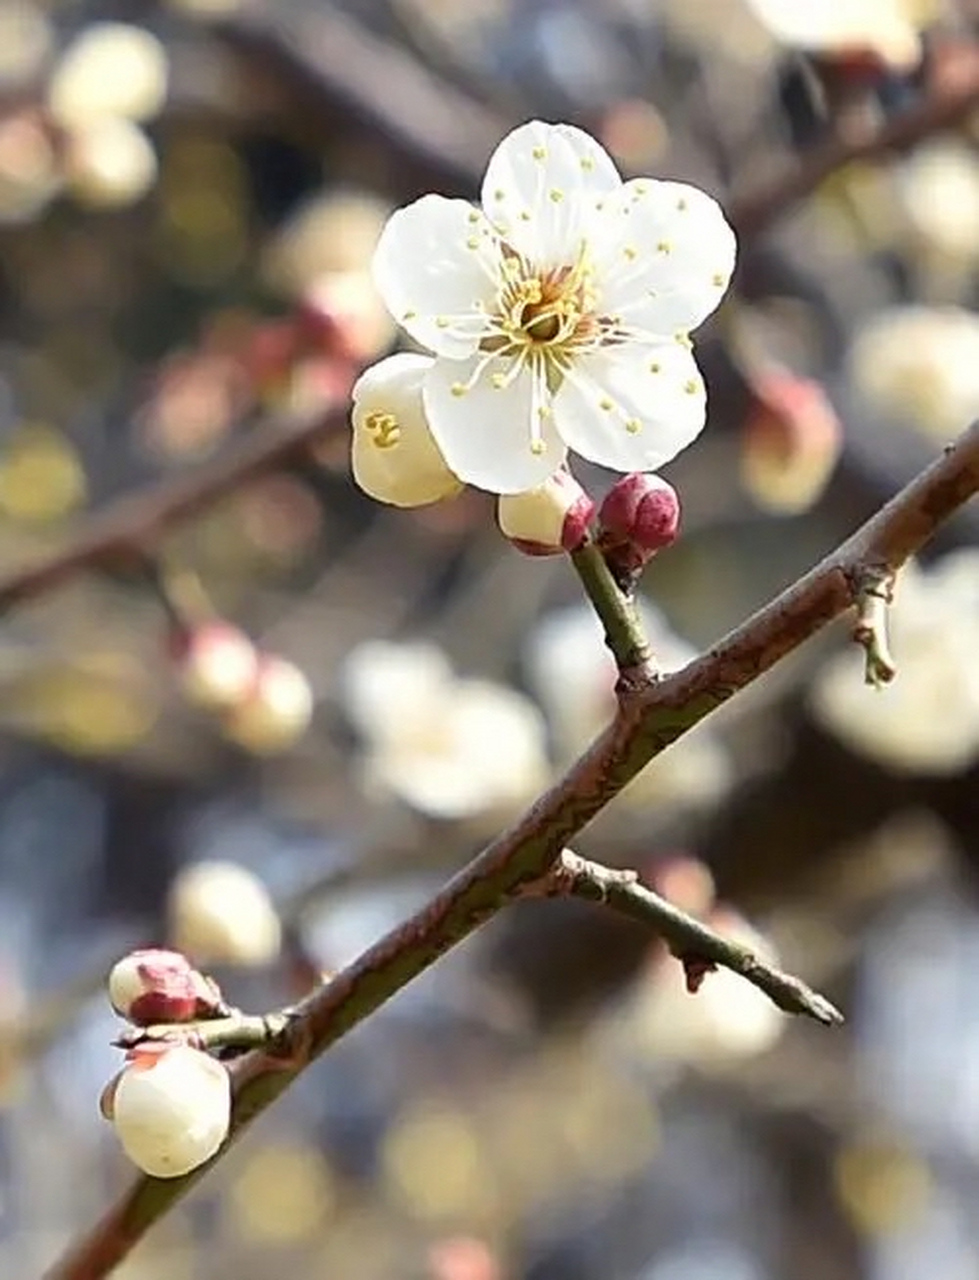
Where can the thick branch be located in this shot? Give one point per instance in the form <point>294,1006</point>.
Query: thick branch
<point>653,716</point>
<point>133,523</point>
<point>690,940</point>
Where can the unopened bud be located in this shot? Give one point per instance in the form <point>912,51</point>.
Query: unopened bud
<point>639,516</point>
<point>276,711</point>
<point>155,985</point>
<point>217,666</point>
<point>547,520</point>
<point>394,455</point>
<point>111,69</point>
<point>791,443</point>
<point>220,913</point>
<point>170,1107</point>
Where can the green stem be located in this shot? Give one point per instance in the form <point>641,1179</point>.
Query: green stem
<point>624,633</point>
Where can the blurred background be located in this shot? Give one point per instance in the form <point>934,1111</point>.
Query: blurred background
<point>189,196</point>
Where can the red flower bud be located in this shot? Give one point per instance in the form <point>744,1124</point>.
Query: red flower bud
<point>792,440</point>
<point>156,986</point>
<point>639,516</point>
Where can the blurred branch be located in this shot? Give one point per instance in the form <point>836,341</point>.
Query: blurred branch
<point>941,108</point>
<point>132,523</point>
<point>691,941</point>
<point>650,716</point>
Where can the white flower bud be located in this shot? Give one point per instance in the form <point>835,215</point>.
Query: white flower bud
<point>220,913</point>
<point>218,666</point>
<point>170,1108</point>
<point>395,458</point>
<point>112,69</point>
<point>277,710</point>
<point>156,985</point>
<point>110,163</point>
<point>547,520</point>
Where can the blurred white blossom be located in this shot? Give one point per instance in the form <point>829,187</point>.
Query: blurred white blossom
<point>559,312</point>
<point>112,69</point>
<point>887,28</point>
<point>449,747</point>
<point>573,674</point>
<point>927,719</point>
<point>219,912</point>
<point>920,364</point>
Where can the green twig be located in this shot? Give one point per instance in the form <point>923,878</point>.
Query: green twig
<point>624,633</point>
<point>689,939</point>
<point>875,593</point>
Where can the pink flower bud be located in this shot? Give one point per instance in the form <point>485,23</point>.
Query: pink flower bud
<point>548,520</point>
<point>639,516</point>
<point>792,440</point>
<point>217,666</point>
<point>155,986</point>
<point>170,1107</point>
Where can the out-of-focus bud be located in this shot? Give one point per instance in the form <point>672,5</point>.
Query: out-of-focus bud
<point>170,1107</point>
<point>547,520</point>
<point>342,313</point>
<point>394,455</point>
<point>217,666</point>
<point>112,69</point>
<point>220,913</point>
<point>109,164</point>
<point>639,516</point>
<point>792,440</point>
<point>155,985</point>
<point>277,710</point>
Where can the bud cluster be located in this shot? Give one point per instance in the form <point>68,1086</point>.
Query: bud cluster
<point>170,1105</point>
<point>263,701</point>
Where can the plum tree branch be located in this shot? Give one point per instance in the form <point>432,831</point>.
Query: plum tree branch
<point>130,525</point>
<point>652,714</point>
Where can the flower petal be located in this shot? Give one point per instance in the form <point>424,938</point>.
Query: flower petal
<point>539,184</point>
<point>486,433</point>
<point>436,267</point>
<point>663,254</point>
<point>632,407</point>
<point>394,457</point>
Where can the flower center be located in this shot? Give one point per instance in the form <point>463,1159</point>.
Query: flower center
<point>541,313</point>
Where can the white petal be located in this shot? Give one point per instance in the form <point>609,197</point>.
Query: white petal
<point>663,254</point>
<point>632,407</point>
<point>394,456</point>
<point>539,183</point>
<point>486,434</point>
<point>435,266</point>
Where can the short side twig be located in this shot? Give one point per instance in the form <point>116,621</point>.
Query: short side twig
<point>875,593</point>
<point>690,940</point>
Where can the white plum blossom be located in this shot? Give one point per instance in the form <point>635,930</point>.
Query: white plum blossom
<point>450,747</point>
<point>559,312</point>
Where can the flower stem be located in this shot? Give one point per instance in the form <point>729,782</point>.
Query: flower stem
<point>624,633</point>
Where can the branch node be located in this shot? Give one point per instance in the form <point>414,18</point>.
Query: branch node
<point>874,593</point>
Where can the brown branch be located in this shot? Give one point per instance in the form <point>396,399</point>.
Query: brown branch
<point>134,522</point>
<point>941,109</point>
<point>690,940</point>
<point>650,717</point>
